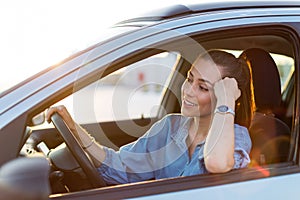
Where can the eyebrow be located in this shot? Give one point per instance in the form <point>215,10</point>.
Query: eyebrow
<point>201,79</point>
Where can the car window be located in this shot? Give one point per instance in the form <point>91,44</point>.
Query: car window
<point>285,67</point>
<point>132,92</point>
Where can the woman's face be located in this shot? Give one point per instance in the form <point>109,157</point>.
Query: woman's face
<point>198,99</point>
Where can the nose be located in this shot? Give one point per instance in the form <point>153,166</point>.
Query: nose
<point>188,88</point>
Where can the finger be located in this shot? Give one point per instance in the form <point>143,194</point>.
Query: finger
<point>52,110</point>
<point>49,113</point>
<point>63,112</point>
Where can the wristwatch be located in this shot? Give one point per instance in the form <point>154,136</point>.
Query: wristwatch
<point>223,109</point>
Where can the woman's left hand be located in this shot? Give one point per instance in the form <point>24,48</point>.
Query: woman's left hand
<point>227,89</point>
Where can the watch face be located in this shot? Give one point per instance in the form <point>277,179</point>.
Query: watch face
<point>223,108</point>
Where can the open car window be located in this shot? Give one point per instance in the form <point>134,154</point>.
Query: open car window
<point>132,92</point>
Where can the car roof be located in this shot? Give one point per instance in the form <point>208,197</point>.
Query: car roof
<point>174,12</point>
<point>182,10</point>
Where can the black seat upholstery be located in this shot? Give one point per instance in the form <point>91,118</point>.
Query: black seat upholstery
<point>270,136</point>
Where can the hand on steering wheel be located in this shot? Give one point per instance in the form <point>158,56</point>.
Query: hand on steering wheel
<point>80,155</point>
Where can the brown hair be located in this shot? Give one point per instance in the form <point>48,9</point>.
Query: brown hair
<point>233,67</point>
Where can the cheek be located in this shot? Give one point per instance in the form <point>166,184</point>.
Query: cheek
<point>206,100</point>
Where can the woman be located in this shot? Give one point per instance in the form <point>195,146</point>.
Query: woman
<point>209,136</point>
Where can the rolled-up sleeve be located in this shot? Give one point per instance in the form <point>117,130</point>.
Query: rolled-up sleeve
<point>110,174</point>
<point>134,161</point>
<point>127,165</point>
<point>242,147</point>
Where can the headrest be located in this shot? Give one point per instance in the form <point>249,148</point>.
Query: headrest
<point>266,80</point>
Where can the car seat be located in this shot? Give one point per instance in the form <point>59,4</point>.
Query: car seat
<point>270,136</point>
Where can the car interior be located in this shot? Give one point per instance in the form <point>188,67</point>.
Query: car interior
<point>271,144</point>
<point>269,134</point>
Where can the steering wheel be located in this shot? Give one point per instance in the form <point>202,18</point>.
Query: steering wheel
<point>83,160</point>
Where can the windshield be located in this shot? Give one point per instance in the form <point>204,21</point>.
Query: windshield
<point>13,75</point>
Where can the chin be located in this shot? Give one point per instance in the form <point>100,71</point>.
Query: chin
<point>189,114</point>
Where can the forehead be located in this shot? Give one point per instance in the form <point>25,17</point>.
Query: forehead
<point>206,69</point>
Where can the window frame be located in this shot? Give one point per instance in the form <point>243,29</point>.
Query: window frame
<point>203,181</point>
<point>235,176</point>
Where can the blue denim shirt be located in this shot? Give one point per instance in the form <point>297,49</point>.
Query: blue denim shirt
<point>162,153</point>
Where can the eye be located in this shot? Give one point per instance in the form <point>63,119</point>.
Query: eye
<point>189,79</point>
<point>203,88</point>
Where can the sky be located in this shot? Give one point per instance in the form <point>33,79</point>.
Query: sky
<point>36,34</point>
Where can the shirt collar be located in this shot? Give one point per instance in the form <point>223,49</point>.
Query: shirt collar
<point>180,134</point>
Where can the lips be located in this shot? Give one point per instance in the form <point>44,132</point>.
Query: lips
<point>188,103</point>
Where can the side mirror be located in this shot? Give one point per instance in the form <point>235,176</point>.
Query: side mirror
<point>25,178</point>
